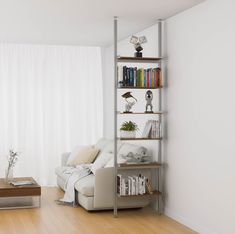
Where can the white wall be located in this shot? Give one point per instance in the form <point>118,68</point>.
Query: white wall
<point>201,117</point>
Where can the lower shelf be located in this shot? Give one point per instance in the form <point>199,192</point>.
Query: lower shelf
<point>140,139</point>
<point>146,195</point>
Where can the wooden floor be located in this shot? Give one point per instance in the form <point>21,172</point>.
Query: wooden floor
<point>56,219</point>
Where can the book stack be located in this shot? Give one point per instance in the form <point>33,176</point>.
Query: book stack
<point>132,185</point>
<point>152,129</point>
<point>133,77</point>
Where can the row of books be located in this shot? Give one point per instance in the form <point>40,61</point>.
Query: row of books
<point>152,129</point>
<point>133,185</point>
<point>133,77</point>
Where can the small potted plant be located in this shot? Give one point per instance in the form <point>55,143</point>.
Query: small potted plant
<point>128,129</point>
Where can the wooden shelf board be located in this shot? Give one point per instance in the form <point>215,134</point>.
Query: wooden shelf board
<point>124,166</point>
<point>136,59</point>
<point>154,194</point>
<point>140,139</point>
<point>133,87</point>
<point>141,113</point>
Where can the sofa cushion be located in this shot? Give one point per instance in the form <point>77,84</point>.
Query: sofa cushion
<point>86,185</point>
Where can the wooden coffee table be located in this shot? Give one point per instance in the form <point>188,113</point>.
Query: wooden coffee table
<point>12,197</point>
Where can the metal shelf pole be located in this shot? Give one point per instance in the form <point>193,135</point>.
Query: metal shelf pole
<point>160,117</point>
<point>115,117</point>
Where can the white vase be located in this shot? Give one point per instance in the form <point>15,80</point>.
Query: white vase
<point>127,134</point>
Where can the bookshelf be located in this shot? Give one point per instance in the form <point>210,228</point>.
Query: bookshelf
<point>148,167</point>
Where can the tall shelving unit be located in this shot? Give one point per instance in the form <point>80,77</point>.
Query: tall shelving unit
<point>118,168</point>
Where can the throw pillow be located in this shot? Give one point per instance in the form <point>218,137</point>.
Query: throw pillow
<point>101,161</point>
<point>84,156</point>
<point>75,152</point>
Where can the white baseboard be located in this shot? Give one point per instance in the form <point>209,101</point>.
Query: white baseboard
<point>194,226</point>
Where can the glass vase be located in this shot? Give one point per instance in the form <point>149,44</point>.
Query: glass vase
<point>9,175</point>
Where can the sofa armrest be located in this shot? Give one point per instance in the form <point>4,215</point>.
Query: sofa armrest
<point>104,185</point>
<point>64,159</point>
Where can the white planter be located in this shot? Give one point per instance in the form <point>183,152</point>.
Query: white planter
<point>127,134</point>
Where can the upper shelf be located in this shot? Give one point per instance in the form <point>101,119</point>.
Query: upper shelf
<point>124,166</point>
<point>138,60</point>
<point>136,87</point>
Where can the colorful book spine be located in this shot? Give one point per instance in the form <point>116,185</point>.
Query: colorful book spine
<point>160,83</point>
<point>153,78</point>
<point>142,78</point>
<point>145,78</point>
<point>157,78</point>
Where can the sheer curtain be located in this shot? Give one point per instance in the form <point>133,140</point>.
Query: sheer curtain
<point>50,101</point>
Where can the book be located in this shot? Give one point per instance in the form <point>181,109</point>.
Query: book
<point>120,76</point>
<point>135,76</point>
<point>160,83</point>
<point>124,76</point>
<point>147,129</point>
<point>119,184</point>
<point>153,78</point>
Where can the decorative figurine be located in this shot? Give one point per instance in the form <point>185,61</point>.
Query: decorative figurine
<point>149,98</point>
<point>127,96</point>
<point>137,41</point>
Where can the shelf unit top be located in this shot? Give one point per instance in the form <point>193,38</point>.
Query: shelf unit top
<point>125,166</point>
<point>132,87</point>
<point>154,194</point>
<point>141,113</point>
<point>140,139</point>
<point>138,60</point>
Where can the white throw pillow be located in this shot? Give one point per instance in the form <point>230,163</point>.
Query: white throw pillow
<point>75,152</point>
<point>101,161</point>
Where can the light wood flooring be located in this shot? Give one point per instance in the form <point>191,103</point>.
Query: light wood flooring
<point>56,219</point>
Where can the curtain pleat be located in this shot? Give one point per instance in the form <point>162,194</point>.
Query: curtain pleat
<point>50,101</point>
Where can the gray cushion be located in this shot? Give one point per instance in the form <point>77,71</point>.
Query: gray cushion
<point>86,185</point>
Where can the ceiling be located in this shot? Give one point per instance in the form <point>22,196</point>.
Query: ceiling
<point>81,22</point>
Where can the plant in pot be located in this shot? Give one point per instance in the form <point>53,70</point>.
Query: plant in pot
<point>128,129</point>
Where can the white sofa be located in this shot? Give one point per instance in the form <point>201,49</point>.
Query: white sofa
<point>96,192</point>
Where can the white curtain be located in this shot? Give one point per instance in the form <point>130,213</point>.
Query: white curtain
<point>50,101</point>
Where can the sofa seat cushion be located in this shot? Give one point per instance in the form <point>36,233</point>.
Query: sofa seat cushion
<point>86,185</point>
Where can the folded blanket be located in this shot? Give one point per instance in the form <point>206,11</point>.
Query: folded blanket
<point>76,173</point>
